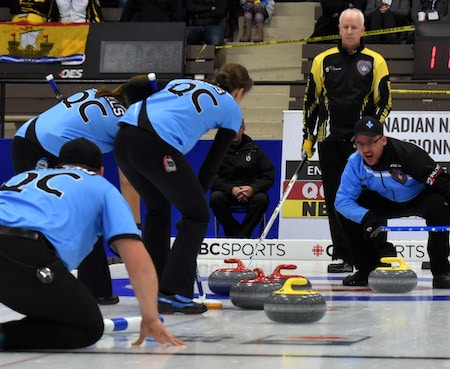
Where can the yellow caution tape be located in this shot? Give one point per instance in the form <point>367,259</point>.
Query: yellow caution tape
<point>421,92</point>
<point>321,38</point>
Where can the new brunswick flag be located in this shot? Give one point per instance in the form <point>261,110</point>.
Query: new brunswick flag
<point>43,43</point>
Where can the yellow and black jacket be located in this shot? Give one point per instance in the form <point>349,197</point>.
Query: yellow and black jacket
<point>341,89</point>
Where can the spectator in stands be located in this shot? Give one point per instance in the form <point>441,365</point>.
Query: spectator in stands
<point>431,11</point>
<point>258,12</point>
<point>232,18</point>
<point>345,83</point>
<point>328,22</point>
<point>35,11</point>
<point>244,177</point>
<point>381,14</point>
<point>153,11</point>
<point>32,11</point>
<point>79,11</point>
<point>206,21</point>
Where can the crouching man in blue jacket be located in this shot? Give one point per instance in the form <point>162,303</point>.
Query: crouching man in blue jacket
<point>388,178</point>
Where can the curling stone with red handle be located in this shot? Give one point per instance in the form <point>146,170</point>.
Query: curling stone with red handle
<point>278,274</point>
<point>221,280</point>
<point>252,293</point>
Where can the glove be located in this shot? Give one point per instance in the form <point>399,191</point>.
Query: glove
<point>372,225</point>
<point>307,148</point>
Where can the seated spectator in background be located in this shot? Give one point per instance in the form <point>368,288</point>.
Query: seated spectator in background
<point>244,177</point>
<point>232,18</point>
<point>153,11</point>
<point>327,24</point>
<point>32,11</point>
<point>206,21</point>
<point>430,11</point>
<point>258,12</point>
<point>381,14</point>
<point>79,11</point>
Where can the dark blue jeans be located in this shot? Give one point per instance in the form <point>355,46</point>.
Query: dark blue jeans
<point>210,35</point>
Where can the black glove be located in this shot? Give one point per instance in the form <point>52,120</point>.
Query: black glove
<point>372,225</point>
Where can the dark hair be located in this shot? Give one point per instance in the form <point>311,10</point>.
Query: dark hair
<point>232,76</point>
<point>126,95</point>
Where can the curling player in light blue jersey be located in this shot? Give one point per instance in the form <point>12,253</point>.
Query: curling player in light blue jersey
<point>154,137</point>
<point>49,221</point>
<point>93,114</point>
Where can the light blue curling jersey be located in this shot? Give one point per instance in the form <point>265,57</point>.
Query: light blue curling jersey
<point>72,207</point>
<point>185,110</point>
<point>79,115</point>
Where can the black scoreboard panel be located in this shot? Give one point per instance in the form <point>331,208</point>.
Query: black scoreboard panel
<point>117,50</point>
<point>432,51</point>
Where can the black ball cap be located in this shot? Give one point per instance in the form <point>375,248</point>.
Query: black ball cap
<point>368,126</point>
<point>82,152</point>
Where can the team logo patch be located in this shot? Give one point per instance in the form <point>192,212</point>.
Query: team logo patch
<point>398,175</point>
<point>364,67</point>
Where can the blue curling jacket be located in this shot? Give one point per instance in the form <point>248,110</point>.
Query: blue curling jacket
<point>70,206</point>
<point>403,171</point>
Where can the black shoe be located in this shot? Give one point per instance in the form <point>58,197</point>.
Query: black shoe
<point>179,304</point>
<point>441,280</point>
<point>340,268</point>
<point>358,278</point>
<point>111,300</point>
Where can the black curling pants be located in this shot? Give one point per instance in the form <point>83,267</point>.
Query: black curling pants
<point>58,315</point>
<point>222,203</point>
<point>140,155</point>
<point>333,157</point>
<point>429,205</point>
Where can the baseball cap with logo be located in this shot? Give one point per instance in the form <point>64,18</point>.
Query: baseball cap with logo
<point>368,126</point>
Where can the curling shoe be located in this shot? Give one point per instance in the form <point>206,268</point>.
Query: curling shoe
<point>169,304</point>
<point>359,278</point>
<point>111,300</point>
<point>441,280</point>
<point>342,267</point>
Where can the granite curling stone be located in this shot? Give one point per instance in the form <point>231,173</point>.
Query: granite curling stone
<point>278,274</point>
<point>221,280</point>
<point>393,279</point>
<point>292,305</point>
<point>252,293</point>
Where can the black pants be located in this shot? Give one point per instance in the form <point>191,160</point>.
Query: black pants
<point>378,20</point>
<point>59,315</point>
<point>333,157</point>
<point>429,205</point>
<point>94,270</point>
<point>222,203</point>
<point>140,155</point>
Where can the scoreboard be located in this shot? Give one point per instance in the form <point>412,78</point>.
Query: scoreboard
<point>432,51</point>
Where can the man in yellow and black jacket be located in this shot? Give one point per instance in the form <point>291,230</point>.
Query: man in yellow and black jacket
<point>346,83</point>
